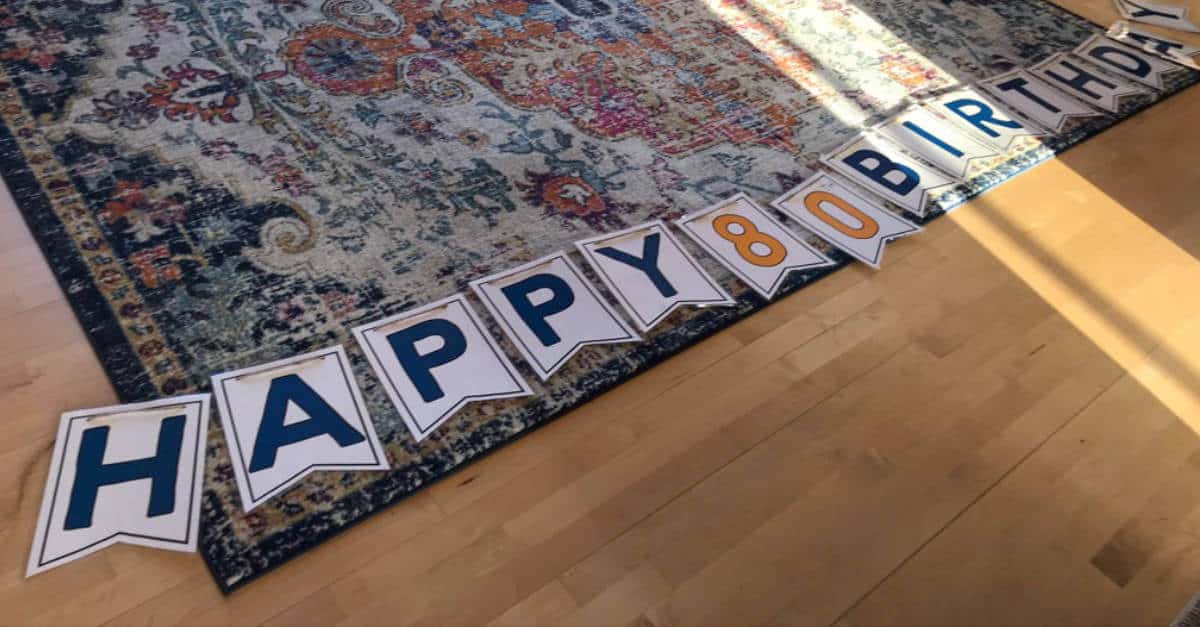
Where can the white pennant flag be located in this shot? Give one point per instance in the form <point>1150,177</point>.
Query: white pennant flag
<point>935,139</point>
<point>889,172</point>
<point>650,273</point>
<point>987,119</point>
<point>1128,62</point>
<point>1169,49</point>
<point>751,243</point>
<point>129,473</point>
<point>435,359</point>
<point>1086,82</point>
<point>1031,97</point>
<point>551,311</point>
<point>1168,15</point>
<point>289,418</point>
<point>844,218</point>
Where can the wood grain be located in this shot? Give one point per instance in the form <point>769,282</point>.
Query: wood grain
<point>998,428</point>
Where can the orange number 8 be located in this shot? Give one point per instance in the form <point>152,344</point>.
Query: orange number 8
<point>749,236</point>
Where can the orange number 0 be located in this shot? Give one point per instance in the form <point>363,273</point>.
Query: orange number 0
<point>868,227</point>
<point>747,238</point>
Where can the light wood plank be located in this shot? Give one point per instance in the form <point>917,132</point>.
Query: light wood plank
<point>1000,427</point>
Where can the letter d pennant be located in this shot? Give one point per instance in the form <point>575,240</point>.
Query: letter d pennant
<point>550,311</point>
<point>130,473</point>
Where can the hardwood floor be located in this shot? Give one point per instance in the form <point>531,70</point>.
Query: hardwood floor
<point>998,428</point>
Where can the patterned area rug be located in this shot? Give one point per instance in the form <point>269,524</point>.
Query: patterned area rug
<point>222,183</point>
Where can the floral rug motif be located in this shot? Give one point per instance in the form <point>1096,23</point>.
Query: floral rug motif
<point>222,183</point>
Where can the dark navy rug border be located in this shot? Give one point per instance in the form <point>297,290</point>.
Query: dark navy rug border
<point>108,341</point>
<point>93,312</point>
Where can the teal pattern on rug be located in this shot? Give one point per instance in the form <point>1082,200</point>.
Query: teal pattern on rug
<point>222,183</point>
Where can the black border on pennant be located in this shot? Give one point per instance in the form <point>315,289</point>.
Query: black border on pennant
<point>599,268</point>
<point>806,187</point>
<point>528,354</point>
<point>508,367</point>
<point>197,463</point>
<point>241,455</point>
<point>770,293</point>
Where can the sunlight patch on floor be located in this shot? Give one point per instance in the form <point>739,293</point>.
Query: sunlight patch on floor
<point>1095,292</point>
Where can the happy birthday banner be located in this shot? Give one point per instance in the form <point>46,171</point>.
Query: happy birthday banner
<point>132,473</point>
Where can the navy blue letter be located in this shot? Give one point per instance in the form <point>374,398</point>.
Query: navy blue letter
<point>1144,12</point>
<point>933,139</point>
<point>535,315</point>
<point>1160,46</point>
<point>1018,85</point>
<point>1136,65</point>
<point>418,367</point>
<point>982,118</point>
<point>1082,79</point>
<point>274,435</point>
<point>648,263</point>
<point>91,472</point>
<point>880,172</point>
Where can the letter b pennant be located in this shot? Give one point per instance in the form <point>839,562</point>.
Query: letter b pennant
<point>889,172</point>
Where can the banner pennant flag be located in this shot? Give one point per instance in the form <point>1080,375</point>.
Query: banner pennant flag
<point>935,139</point>
<point>985,118</point>
<point>1033,98</point>
<point>1085,82</point>
<point>287,419</point>
<point>755,246</point>
<point>129,473</point>
<point>1128,62</point>
<point>434,360</point>
<point>889,172</point>
<point>651,273</point>
<point>550,311</point>
<point>1168,15</point>
<point>1169,49</point>
<point>843,217</point>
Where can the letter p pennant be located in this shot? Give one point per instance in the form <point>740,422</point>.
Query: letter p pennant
<point>434,360</point>
<point>550,311</point>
